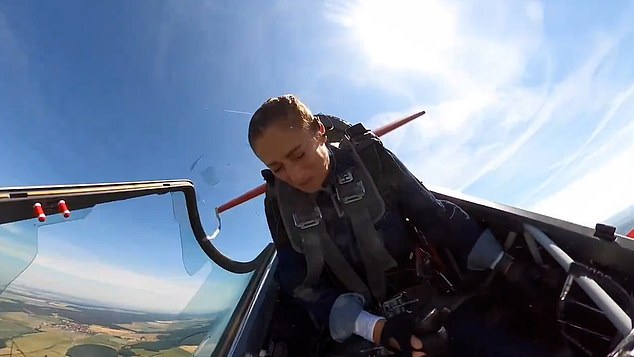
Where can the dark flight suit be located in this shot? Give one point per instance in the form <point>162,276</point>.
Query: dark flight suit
<point>442,223</point>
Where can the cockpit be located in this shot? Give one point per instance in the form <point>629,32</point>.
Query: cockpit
<point>127,269</point>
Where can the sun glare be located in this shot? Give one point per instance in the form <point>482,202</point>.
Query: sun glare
<point>404,35</point>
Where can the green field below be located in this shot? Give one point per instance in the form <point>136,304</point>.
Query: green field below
<point>92,351</point>
<point>50,343</point>
<point>48,335</point>
<point>105,340</point>
<point>10,329</point>
<point>172,352</point>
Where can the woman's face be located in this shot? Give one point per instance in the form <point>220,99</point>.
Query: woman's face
<point>296,156</point>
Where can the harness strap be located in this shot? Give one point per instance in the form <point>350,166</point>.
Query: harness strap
<point>362,202</point>
<point>317,248</point>
<point>308,235</point>
<point>314,255</point>
<point>376,259</point>
<point>364,213</point>
<point>342,269</point>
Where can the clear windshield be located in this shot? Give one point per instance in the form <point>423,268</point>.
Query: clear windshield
<point>121,279</point>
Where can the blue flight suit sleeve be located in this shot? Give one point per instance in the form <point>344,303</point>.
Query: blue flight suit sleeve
<point>291,269</point>
<point>442,222</point>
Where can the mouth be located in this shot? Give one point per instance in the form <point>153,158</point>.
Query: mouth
<point>305,183</point>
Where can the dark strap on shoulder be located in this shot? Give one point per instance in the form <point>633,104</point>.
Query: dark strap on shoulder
<point>362,202</point>
<point>335,127</point>
<point>360,136</point>
<point>367,146</point>
<point>319,247</point>
<point>364,214</point>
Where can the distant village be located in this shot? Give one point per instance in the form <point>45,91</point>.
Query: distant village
<point>70,326</point>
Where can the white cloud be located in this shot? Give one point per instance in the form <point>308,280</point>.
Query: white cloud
<point>459,46</point>
<point>586,149</point>
<point>468,60</point>
<point>82,276</point>
<point>387,30</point>
<point>535,11</point>
<point>597,195</point>
<point>18,246</point>
<point>504,105</point>
<point>564,94</point>
<point>18,239</point>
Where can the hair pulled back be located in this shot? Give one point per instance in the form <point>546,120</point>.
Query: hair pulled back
<point>286,110</point>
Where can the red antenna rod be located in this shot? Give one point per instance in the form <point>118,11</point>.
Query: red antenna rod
<point>262,188</point>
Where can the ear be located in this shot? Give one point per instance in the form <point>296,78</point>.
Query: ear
<point>321,130</point>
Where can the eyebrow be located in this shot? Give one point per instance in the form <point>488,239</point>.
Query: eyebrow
<point>290,153</point>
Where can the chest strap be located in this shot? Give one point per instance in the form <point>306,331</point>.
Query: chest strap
<point>307,232</point>
<point>361,202</point>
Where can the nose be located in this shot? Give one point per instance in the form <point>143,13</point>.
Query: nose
<point>297,174</point>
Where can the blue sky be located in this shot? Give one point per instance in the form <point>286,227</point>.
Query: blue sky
<point>529,103</point>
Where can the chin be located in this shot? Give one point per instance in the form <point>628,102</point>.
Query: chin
<point>308,189</point>
<point>313,186</point>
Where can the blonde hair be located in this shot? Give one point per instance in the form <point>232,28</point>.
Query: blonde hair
<point>286,109</point>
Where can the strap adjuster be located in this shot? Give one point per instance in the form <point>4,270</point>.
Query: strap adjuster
<point>308,219</point>
<point>356,131</point>
<point>350,193</point>
<point>345,178</point>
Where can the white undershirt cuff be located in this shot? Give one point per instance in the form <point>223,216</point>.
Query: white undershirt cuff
<point>364,325</point>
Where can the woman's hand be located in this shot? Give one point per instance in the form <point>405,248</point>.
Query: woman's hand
<point>397,334</point>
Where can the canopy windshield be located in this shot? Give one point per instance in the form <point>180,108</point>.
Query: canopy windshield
<point>119,278</point>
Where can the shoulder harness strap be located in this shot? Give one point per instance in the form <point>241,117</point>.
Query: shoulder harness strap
<point>307,232</point>
<point>366,209</point>
<point>361,202</point>
<point>335,127</point>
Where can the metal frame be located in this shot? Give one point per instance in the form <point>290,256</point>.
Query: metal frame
<point>581,243</point>
<point>17,204</point>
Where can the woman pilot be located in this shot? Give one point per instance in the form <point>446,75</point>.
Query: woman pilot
<point>337,215</point>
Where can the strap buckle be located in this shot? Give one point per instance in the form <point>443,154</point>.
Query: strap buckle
<point>304,220</point>
<point>350,193</point>
<point>345,178</point>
